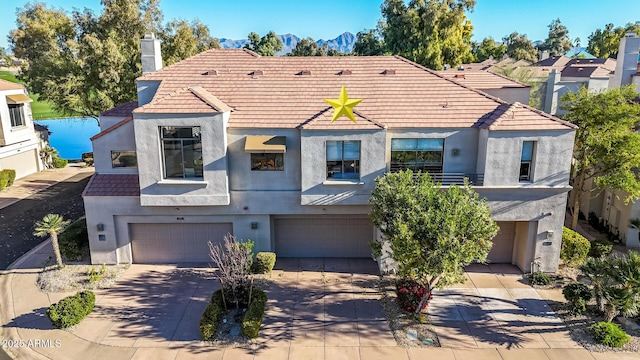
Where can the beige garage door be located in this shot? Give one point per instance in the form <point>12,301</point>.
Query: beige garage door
<point>23,163</point>
<point>173,243</point>
<point>502,250</point>
<point>323,236</point>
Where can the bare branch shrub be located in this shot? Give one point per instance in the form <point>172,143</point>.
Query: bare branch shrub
<point>233,258</point>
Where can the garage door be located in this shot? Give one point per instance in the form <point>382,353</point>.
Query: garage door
<point>173,243</point>
<point>323,236</point>
<point>502,250</point>
<point>24,164</point>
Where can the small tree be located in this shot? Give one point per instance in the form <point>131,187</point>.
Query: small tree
<point>51,225</point>
<point>233,260</point>
<point>432,233</point>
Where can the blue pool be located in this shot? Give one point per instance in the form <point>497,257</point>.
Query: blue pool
<point>71,136</point>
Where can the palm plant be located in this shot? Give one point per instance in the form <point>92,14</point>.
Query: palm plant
<point>622,291</point>
<point>51,225</point>
<point>596,270</point>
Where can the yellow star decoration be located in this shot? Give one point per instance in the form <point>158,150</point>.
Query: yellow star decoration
<point>343,106</point>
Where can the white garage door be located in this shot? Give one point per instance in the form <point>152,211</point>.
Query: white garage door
<point>502,250</point>
<point>173,243</point>
<point>24,164</point>
<point>323,236</point>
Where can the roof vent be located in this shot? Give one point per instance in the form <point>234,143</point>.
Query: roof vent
<point>389,72</point>
<point>210,72</point>
<point>459,76</point>
<point>461,68</point>
<point>344,72</point>
<point>255,73</point>
<point>304,72</point>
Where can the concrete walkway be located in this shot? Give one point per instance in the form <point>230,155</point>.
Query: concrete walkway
<point>23,317</point>
<point>34,183</point>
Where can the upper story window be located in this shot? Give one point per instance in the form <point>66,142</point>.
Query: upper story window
<point>267,162</point>
<point>417,154</point>
<point>526,159</point>
<point>16,114</point>
<point>124,159</point>
<point>181,151</point>
<point>343,159</point>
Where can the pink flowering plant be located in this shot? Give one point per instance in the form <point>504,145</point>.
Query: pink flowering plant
<point>410,293</point>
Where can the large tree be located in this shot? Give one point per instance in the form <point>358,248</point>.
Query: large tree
<point>85,64</point>
<point>557,42</point>
<point>607,146</point>
<point>432,232</point>
<point>267,45</point>
<point>181,40</point>
<point>519,47</point>
<point>488,48</point>
<point>368,43</point>
<point>308,47</point>
<point>606,42</point>
<point>430,32</point>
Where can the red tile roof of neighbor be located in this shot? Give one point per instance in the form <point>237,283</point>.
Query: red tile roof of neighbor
<point>478,79</point>
<point>123,110</point>
<point>8,85</point>
<point>288,92</point>
<point>113,185</point>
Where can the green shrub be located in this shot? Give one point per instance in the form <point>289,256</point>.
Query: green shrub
<point>609,334</point>
<point>211,316</point>
<point>72,309</point>
<point>74,240</point>
<point>96,274</point>
<point>264,262</point>
<point>539,278</point>
<point>575,247</point>
<point>248,247</point>
<point>59,163</point>
<point>600,248</point>
<point>4,180</point>
<point>577,294</point>
<point>10,176</point>
<point>255,314</point>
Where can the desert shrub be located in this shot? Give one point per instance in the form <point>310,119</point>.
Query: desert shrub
<point>264,262</point>
<point>609,334</point>
<point>72,309</point>
<point>10,175</point>
<point>74,240</point>
<point>96,274</point>
<point>577,294</point>
<point>211,316</point>
<point>4,180</point>
<point>233,260</point>
<point>59,163</point>
<point>410,293</point>
<point>539,278</point>
<point>600,248</point>
<point>255,314</point>
<point>575,247</point>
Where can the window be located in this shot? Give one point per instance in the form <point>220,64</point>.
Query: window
<point>16,115</point>
<point>267,162</point>
<point>343,159</point>
<point>125,159</point>
<point>525,160</point>
<point>181,151</point>
<point>417,154</point>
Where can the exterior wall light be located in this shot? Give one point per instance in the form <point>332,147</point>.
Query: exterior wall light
<point>254,225</point>
<point>100,227</point>
<point>455,152</point>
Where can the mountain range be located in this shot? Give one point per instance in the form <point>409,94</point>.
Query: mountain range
<point>343,43</point>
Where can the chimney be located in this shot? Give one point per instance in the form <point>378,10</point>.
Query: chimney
<point>627,61</point>
<point>544,55</point>
<point>151,56</point>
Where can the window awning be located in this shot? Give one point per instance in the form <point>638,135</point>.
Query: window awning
<point>18,99</point>
<point>265,144</point>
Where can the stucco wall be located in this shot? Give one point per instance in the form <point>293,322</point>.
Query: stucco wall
<point>122,138</point>
<point>511,95</point>
<point>17,134</point>
<point>316,190</point>
<point>211,190</point>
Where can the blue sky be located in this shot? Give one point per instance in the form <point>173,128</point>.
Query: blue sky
<point>327,19</point>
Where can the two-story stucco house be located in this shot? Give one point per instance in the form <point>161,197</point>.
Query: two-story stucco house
<point>231,142</point>
<point>19,141</point>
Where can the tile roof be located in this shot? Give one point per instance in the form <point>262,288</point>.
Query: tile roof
<point>123,110</point>
<point>8,85</point>
<point>111,128</point>
<point>113,185</point>
<point>288,92</point>
<point>518,116</point>
<point>609,64</point>
<point>322,121</point>
<point>194,99</point>
<point>482,79</point>
<point>586,71</point>
<point>553,61</point>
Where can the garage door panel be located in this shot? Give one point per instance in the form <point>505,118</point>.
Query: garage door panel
<point>323,237</point>
<point>502,250</point>
<point>172,243</point>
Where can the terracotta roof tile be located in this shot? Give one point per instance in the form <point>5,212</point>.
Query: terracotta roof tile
<point>111,128</point>
<point>113,185</point>
<point>322,121</point>
<point>8,85</point>
<point>194,99</point>
<point>586,71</point>
<point>123,110</point>
<point>518,116</point>
<point>414,97</point>
<point>553,61</point>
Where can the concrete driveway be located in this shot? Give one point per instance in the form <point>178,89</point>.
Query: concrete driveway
<point>495,308</point>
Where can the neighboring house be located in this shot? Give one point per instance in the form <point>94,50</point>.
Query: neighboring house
<point>228,141</point>
<point>19,141</point>
<point>497,85</point>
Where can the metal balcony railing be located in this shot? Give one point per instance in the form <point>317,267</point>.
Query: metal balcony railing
<point>454,178</point>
